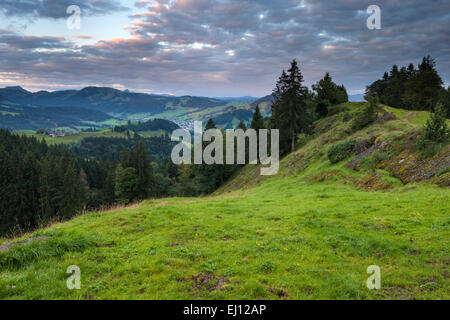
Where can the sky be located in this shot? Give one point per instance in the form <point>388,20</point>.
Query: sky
<point>219,48</point>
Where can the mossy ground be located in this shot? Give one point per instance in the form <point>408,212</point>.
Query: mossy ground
<point>307,233</point>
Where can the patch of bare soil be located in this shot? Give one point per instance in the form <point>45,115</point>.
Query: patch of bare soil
<point>209,281</point>
<point>279,292</point>
<point>324,176</point>
<point>373,183</point>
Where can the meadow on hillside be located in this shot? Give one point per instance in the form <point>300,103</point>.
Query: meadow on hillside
<point>309,232</point>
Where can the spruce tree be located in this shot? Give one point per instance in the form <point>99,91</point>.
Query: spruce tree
<point>289,112</point>
<point>126,184</point>
<point>257,120</point>
<point>139,161</point>
<point>73,191</point>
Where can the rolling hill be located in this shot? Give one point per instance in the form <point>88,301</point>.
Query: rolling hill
<point>136,106</point>
<point>309,232</point>
<point>20,117</point>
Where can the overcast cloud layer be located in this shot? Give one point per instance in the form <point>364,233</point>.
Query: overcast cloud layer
<point>223,47</point>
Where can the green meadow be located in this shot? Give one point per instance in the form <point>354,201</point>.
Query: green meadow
<point>309,232</point>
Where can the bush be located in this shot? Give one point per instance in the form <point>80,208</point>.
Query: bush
<point>367,116</point>
<point>346,117</point>
<point>339,151</point>
<point>435,131</point>
<point>302,139</point>
<point>376,158</point>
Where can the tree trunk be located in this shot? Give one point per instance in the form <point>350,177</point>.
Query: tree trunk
<point>293,141</point>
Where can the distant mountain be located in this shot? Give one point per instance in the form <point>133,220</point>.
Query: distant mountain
<point>14,94</point>
<point>243,99</point>
<point>107,100</point>
<point>19,117</point>
<point>127,105</point>
<point>264,103</point>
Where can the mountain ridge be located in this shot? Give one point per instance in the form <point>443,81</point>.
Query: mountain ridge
<point>137,106</point>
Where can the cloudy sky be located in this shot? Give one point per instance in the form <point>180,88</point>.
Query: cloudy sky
<point>216,47</point>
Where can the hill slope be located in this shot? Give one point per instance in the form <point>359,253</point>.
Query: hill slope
<point>19,117</point>
<point>309,232</point>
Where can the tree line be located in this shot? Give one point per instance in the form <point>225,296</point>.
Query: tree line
<point>411,88</point>
<point>41,183</point>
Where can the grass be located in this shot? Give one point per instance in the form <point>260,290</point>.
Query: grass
<point>75,138</point>
<point>306,233</point>
<point>150,134</point>
<point>284,239</point>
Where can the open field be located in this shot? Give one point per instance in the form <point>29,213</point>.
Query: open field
<point>75,138</point>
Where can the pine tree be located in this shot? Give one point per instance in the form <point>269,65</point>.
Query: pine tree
<point>257,120</point>
<point>126,184</point>
<point>45,207</point>
<point>410,88</point>
<point>210,125</point>
<point>109,188</point>
<point>208,177</point>
<point>242,125</point>
<point>423,89</point>
<point>289,112</point>
<point>139,161</point>
<point>73,191</point>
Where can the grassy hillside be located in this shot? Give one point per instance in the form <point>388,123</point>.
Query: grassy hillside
<point>309,232</point>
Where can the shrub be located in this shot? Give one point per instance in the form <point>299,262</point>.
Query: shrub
<point>339,151</point>
<point>376,158</point>
<point>302,139</point>
<point>367,116</point>
<point>346,117</point>
<point>435,130</point>
<point>442,172</point>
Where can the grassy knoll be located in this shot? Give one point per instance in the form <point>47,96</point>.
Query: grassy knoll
<point>309,232</point>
